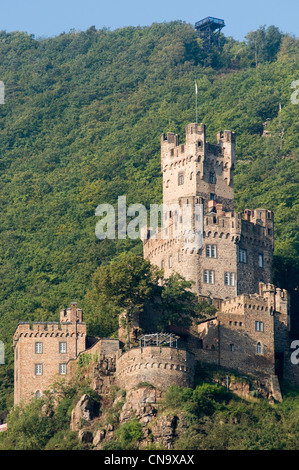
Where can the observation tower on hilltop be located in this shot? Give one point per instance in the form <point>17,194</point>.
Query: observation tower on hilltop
<point>209,30</point>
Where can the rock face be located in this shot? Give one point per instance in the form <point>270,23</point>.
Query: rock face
<point>140,403</point>
<point>99,437</point>
<point>85,437</point>
<point>83,412</point>
<point>163,430</point>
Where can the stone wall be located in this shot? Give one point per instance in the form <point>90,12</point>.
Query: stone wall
<point>100,366</point>
<point>159,366</point>
<point>206,172</point>
<point>27,383</point>
<point>196,160</point>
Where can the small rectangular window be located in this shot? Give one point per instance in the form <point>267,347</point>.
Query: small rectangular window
<point>259,326</point>
<point>242,255</point>
<point>231,347</point>
<point>62,347</point>
<point>208,276</point>
<point>229,279</point>
<point>211,251</point>
<point>261,260</point>
<point>38,369</point>
<point>180,178</point>
<point>170,261</point>
<point>38,348</point>
<point>62,369</point>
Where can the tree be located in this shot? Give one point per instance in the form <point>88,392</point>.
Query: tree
<point>127,282</point>
<point>264,43</point>
<point>179,305</point>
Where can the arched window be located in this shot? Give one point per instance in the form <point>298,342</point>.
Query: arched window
<point>38,394</point>
<point>259,348</point>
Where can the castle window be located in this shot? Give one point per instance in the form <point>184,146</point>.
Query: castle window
<point>38,394</point>
<point>62,369</point>
<point>180,178</point>
<point>261,260</point>
<point>212,178</point>
<point>231,347</point>
<point>162,264</point>
<point>211,251</point>
<point>208,276</point>
<point>259,326</point>
<point>199,143</point>
<point>62,347</point>
<point>212,197</point>
<point>170,261</point>
<point>179,257</point>
<point>269,231</point>
<point>259,348</point>
<point>242,255</point>
<point>38,348</point>
<point>229,279</point>
<point>38,369</point>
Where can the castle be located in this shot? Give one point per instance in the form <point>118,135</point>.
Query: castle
<point>231,266</point>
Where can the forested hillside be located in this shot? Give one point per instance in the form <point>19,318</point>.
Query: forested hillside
<point>81,125</point>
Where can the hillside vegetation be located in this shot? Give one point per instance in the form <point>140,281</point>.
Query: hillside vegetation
<point>81,125</point>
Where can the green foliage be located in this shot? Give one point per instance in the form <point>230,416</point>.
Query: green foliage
<point>201,401</point>
<point>129,434</point>
<point>127,282</point>
<point>218,420</point>
<point>81,126</point>
<point>178,303</point>
<point>84,361</point>
<point>29,428</point>
<point>36,426</point>
<point>264,43</point>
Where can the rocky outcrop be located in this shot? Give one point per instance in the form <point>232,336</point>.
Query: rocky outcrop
<point>83,413</point>
<point>140,403</point>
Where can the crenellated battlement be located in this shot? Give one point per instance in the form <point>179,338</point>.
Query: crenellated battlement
<point>49,329</point>
<point>42,351</point>
<point>196,167</point>
<point>270,299</point>
<point>159,366</point>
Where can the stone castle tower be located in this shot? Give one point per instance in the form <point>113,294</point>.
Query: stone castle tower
<point>235,251</point>
<point>42,352</point>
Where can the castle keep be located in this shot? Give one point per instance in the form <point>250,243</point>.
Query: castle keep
<point>231,266</point>
<point>236,252</point>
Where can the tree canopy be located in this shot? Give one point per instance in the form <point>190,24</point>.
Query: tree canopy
<point>81,125</point>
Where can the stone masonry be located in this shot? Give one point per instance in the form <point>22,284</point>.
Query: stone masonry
<point>42,352</point>
<point>231,266</point>
<point>236,250</point>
